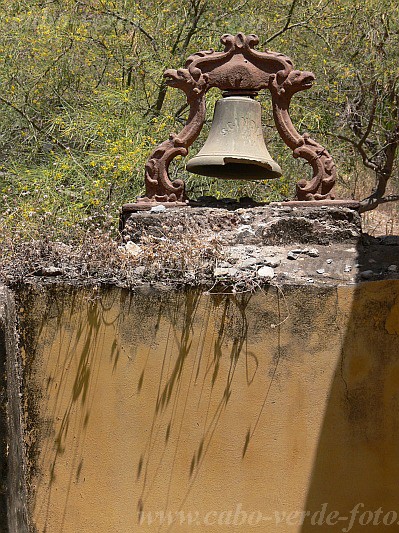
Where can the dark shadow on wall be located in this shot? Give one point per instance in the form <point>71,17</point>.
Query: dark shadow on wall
<point>354,484</point>
<point>188,367</point>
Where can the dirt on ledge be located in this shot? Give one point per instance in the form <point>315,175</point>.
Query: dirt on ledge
<point>241,248</point>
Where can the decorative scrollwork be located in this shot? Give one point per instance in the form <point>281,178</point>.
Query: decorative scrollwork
<point>238,68</point>
<point>321,186</point>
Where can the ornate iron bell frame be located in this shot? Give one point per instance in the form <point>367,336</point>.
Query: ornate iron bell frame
<point>239,69</point>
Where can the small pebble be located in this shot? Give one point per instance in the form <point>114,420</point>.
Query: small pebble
<point>245,227</point>
<point>310,280</point>
<point>313,252</point>
<point>132,248</point>
<point>329,261</point>
<point>51,271</point>
<point>266,272</point>
<point>140,270</point>
<point>224,264</point>
<point>223,271</point>
<point>157,209</point>
<point>320,271</point>
<point>250,263</point>
<point>393,268</point>
<point>347,268</point>
<point>271,262</point>
<point>292,255</point>
<point>366,274</point>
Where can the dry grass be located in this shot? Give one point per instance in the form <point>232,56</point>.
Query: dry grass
<point>99,258</point>
<point>382,221</point>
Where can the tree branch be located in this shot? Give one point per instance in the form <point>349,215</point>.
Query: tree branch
<point>371,202</point>
<point>372,116</point>
<point>287,23</point>
<point>198,11</point>
<point>33,123</point>
<point>120,17</point>
<point>288,26</point>
<point>366,160</point>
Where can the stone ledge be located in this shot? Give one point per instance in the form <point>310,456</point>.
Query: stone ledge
<point>202,246</point>
<point>287,244</point>
<point>253,226</point>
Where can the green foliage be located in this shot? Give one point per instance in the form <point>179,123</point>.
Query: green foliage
<point>83,102</point>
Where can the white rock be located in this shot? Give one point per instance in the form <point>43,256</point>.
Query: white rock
<point>250,263</point>
<point>313,252</point>
<point>51,271</point>
<point>224,264</point>
<point>393,268</point>
<point>329,261</point>
<point>271,262</point>
<point>320,271</point>
<point>246,228</point>
<point>158,209</point>
<point>132,248</point>
<point>223,271</point>
<point>266,272</point>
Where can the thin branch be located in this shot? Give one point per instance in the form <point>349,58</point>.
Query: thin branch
<point>226,14</point>
<point>287,23</point>
<point>54,62</point>
<point>120,17</point>
<point>370,203</point>
<point>33,123</point>
<point>389,198</point>
<point>382,149</point>
<point>198,12</point>
<point>360,149</point>
<point>21,112</point>
<point>288,26</point>
<point>372,115</point>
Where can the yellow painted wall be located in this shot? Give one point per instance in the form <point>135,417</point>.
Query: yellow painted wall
<point>237,412</point>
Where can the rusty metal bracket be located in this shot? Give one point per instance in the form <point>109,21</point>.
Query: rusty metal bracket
<point>239,68</point>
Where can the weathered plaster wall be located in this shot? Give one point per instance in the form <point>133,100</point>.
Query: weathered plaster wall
<point>155,401</point>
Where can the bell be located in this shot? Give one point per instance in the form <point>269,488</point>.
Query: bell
<point>235,147</point>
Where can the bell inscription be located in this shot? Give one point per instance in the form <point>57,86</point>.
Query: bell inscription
<point>242,123</point>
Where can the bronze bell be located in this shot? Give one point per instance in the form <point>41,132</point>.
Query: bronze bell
<point>235,147</point>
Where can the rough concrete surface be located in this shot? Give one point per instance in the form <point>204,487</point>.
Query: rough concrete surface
<point>322,245</point>
<point>255,226</point>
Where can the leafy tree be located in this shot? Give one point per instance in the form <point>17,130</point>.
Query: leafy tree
<point>84,102</point>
